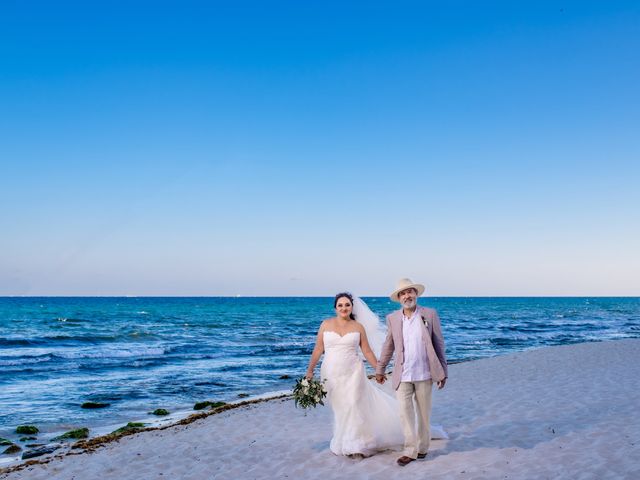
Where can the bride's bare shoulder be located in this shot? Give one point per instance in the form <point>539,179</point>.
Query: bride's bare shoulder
<point>359,326</point>
<point>327,323</point>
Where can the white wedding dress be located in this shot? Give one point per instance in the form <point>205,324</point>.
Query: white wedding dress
<point>366,419</point>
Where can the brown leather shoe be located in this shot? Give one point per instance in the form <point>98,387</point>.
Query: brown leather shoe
<point>404,460</point>
<point>422,455</point>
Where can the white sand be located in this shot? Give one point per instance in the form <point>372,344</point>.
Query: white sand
<point>560,412</point>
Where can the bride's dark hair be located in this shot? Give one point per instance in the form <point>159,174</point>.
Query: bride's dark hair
<point>346,295</point>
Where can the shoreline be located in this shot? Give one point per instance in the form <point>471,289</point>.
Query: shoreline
<point>554,411</point>
<point>105,433</point>
<point>89,445</point>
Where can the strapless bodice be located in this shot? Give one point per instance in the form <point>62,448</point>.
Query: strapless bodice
<point>336,343</point>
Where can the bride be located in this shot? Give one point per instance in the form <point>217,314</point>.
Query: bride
<point>366,419</point>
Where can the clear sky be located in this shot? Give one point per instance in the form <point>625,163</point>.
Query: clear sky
<point>301,148</point>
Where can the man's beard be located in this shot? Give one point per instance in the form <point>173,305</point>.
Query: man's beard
<point>409,304</point>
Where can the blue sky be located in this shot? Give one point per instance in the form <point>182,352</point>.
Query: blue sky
<point>300,148</point>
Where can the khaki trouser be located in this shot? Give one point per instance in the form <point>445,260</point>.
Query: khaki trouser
<point>406,393</point>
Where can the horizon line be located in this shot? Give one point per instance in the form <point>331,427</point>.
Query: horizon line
<point>313,296</point>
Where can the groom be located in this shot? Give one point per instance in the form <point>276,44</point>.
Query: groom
<point>415,335</point>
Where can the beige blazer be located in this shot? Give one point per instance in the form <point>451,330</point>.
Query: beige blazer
<point>432,340</point>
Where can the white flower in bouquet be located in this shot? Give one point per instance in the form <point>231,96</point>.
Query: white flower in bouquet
<point>309,393</point>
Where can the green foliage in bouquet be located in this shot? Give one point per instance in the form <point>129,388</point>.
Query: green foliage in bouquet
<point>308,393</point>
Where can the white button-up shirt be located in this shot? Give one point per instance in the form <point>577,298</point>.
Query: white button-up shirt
<point>416,363</point>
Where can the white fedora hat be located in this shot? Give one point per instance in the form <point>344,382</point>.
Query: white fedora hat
<point>403,284</point>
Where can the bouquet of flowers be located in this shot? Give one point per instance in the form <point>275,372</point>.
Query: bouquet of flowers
<point>308,393</point>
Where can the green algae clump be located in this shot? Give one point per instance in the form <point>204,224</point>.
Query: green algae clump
<point>75,434</point>
<point>27,429</point>
<point>202,405</point>
<point>12,449</point>
<point>130,427</point>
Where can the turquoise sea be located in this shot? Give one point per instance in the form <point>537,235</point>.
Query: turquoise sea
<point>139,354</point>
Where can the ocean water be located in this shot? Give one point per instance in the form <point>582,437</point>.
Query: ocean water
<point>139,354</point>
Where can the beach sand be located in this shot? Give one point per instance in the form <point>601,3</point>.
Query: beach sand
<point>555,412</point>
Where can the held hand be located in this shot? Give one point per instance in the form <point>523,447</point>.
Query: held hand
<point>380,378</point>
<point>309,376</point>
<point>441,383</point>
